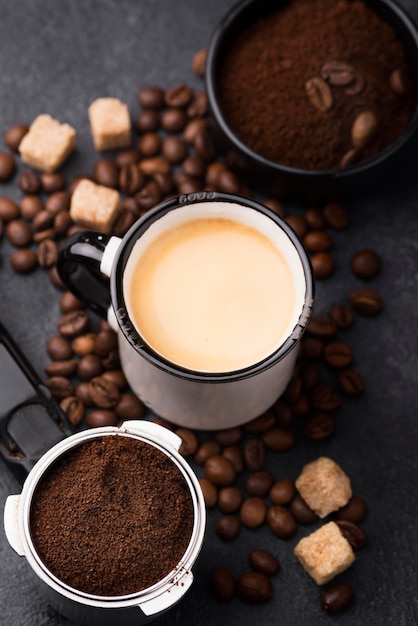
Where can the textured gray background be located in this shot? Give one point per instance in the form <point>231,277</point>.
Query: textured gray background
<point>57,57</point>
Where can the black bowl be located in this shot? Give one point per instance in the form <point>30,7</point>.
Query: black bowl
<point>293,182</point>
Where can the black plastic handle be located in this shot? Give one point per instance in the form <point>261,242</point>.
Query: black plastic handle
<point>78,266</point>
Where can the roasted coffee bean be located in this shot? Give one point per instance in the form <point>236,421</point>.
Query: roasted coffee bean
<point>82,392</point>
<point>112,360</point>
<point>62,223</point>
<point>147,120</point>
<point>258,483</point>
<point>23,260</point>
<point>128,156</point>
<point>59,348</point>
<point>151,97</point>
<point>178,96</point>
<point>365,264</point>
<point>130,179</point>
<point>253,512</point>
<point>73,324</point>
<point>282,491</point>
<point>263,561</point>
<point>293,389</point>
<point>199,105</point>
<point>312,348</point>
<point>254,587</point>
<point>189,443</point>
<point>336,216</point>
<point>229,436</point>
<point>199,62</point>
<point>298,224</point>
<point>47,253</point>
<point>55,279</point>
<point>154,165</point>
<point>14,135</point>
<point>322,326</point>
<point>338,73</point>
<point>189,185</point>
<point>229,182</point>
<point>302,405</point>
<point>204,145</point>
<point>210,492</point>
<point>260,424</point>
<point>206,449</point>
<point>30,206</point>
<point>301,512</point>
<point>47,233</point>
<point>283,412</point>
<point>103,392</point>
<point>229,499</point>
<point>254,452</point>
<point>89,366</point>
<point>354,511</point>
<point>124,220</point>
<point>363,129</point>
<point>83,344</point>
<point>174,149</point>
<point>148,196</point>
<point>19,233</point>
<point>130,407</point>
<point>351,382</point>
<point>7,166</point>
<point>59,386</point>
<point>58,201</point>
<point>342,315</point>
<point>311,375</point>
<point>222,584</point>
<point>219,470</point>
<point>194,166</point>
<point>214,170</point>
<point>97,418</point>
<point>228,527</point>
<point>173,120</point>
<point>357,85</point>
<point>276,206</point>
<point>318,241</point>
<point>319,426</point>
<point>400,81</point>
<point>9,209</point>
<point>323,264</point>
<point>325,398</point>
<point>117,377</point>
<point>105,172</point>
<point>366,301</point>
<point>42,220</point>
<point>29,182</point>
<point>278,439</point>
<point>355,535</point>
<point>235,455</point>
<point>61,368</point>
<point>281,521</point>
<point>337,354</point>
<point>105,342</point>
<point>69,302</point>
<point>52,182</point>
<point>73,409</point>
<point>337,597</point>
<point>149,144</point>
<point>319,94</point>
<point>315,218</point>
<point>349,157</point>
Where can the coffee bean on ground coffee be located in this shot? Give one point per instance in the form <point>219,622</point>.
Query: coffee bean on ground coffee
<point>103,524</point>
<point>318,95</point>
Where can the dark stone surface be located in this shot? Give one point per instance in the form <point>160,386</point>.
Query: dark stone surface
<point>57,57</point>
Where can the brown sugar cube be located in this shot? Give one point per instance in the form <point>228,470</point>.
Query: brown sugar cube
<point>47,144</point>
<point>325,553</point>
<point>110,124</point>
<point>324,486</point>
<point>94,206</point>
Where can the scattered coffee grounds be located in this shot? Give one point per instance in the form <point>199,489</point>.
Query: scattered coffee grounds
<point>318,84</point>
<point>103,524</point>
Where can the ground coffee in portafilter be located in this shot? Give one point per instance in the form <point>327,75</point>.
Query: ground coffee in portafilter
<point>112,516</point>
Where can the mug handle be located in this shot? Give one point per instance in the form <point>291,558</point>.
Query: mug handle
<point>79,266</point>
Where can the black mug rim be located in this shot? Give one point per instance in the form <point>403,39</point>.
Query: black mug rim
<point>133,336</point>
<point>213,60</point>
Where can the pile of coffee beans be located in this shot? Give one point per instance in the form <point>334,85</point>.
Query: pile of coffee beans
<point>174,152</point>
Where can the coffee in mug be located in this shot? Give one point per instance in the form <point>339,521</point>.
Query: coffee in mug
<point>210,294</point>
